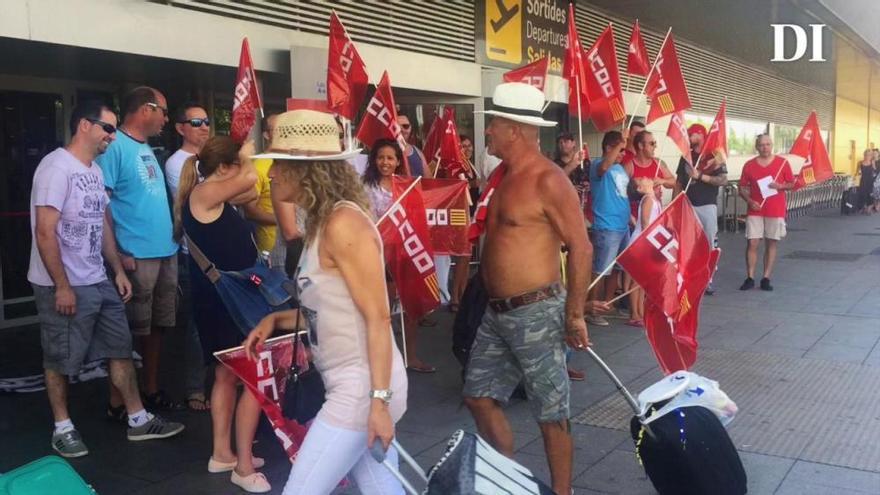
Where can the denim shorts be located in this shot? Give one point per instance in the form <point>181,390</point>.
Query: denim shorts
<point>607,244</point>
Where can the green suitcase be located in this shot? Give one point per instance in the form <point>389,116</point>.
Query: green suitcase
<point>50,475</point>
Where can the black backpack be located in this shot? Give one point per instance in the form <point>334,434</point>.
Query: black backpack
<point>470,313</point>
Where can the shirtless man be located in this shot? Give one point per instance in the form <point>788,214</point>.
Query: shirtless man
<point>533,212</point>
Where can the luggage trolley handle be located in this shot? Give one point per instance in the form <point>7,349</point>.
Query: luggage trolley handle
<point>378,454</point>
<point>620,388</point>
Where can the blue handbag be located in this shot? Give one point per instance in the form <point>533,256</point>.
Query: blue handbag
<point>248,295</point>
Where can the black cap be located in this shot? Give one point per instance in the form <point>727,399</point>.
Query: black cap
<point>565,135</point>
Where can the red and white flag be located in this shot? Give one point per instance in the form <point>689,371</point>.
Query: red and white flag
<point>246,97</point>
<point>574,71</point>
<point>266,379</point>
<point>408,251</point>
<point>809,145</point>
<point>678,133</point>
<point>674,339</point>
<point>450,157</point>
<point>667,254</point>
<point>534,73</point>
<point>666,86</point>
<point>446,211</point>
<point>431,149</point>
<point>347,78</point>
<point>716,139</point>
<point>380,120</point>
<point>481,212</point>
<point>637,62</point>
<point>603,83</point>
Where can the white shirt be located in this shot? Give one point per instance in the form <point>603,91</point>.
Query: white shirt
<point>173,166</point>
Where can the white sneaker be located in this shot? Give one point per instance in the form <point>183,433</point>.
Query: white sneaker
<point>599,321</point>
<point>252,483</point>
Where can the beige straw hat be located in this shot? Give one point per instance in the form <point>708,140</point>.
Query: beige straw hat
<point>306,135</point>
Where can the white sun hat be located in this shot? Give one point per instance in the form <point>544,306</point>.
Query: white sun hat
<point>519,102</point>
<point>306,135</point>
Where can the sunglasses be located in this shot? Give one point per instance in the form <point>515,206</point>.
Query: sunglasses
<point>197,122</point>
<point>108,128</point>
<point>157,107</point>
<point>405,126</point>
<point>653,143</point>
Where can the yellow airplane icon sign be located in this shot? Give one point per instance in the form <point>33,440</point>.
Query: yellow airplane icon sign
<point>504,30</point>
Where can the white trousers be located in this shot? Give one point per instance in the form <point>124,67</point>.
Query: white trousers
<point>329,453</point>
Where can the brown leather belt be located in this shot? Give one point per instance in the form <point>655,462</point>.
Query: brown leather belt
<point>511,303</point>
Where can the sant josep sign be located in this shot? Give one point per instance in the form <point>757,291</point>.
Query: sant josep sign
<point>511,33</point>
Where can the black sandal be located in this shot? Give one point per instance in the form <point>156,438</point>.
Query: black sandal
<point>161,401</point>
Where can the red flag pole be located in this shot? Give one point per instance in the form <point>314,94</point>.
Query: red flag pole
<point>647,78</point>
<point>580,117</point>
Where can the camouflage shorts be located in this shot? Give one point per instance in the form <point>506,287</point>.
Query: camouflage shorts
<point>525,344</point>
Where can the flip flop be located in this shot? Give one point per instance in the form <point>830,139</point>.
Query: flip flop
<point>635,323</point>
<point>198,403</point>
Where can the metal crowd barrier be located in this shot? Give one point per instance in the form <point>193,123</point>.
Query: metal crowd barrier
<point>802,202</point>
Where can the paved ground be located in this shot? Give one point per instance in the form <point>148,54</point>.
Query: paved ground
<point>823,319</point>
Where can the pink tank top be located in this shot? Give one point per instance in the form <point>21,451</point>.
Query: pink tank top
<point>338,336</point>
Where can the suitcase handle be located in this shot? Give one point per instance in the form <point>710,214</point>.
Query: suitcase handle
<point>620,388</point>
<point>378,454</point>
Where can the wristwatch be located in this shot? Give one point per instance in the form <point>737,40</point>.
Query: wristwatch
<point>383,395</point>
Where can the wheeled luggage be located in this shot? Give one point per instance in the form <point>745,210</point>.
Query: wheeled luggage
<point>679,435</point>
<point>470,466</point>
<point>50,474</point>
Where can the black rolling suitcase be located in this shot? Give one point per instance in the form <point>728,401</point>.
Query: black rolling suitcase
<point>849,203</point>
<point>686,451</point>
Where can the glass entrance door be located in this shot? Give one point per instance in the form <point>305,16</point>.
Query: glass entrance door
<point>31,126</point>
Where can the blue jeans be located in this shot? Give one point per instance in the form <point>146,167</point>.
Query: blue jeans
<point>607,244</point>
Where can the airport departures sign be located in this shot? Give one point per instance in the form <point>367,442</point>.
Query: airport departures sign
<point>511,33</point>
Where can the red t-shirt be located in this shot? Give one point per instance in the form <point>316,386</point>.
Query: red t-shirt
<point>780,171</point>
<point>652,171</point>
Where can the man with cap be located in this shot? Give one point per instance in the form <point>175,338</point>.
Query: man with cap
<point>530,317</point>
<point>704,179</point>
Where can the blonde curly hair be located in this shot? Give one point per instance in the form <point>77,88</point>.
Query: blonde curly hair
<point>321,185</point>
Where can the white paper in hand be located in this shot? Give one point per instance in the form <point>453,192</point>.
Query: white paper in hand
<point>764,187</point>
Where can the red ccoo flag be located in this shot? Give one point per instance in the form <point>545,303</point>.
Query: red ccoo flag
<point>380,120</point>
<point>674,340</point>
<point>637,62</point>
<point>678,133</point>
<point>347,78</point>
<point>534,73</point>
<point>451,158</point>
<point>446,210</point>
<point>246,98</point>
<point>716,139</point>
<point>666,86</point>
<point>266,379</point>
<point>603,83</point>
<point>431,149</point>
<point>574,72</point>
<point>408,252</point>
<point>809,145</point>
<point>666,255</point>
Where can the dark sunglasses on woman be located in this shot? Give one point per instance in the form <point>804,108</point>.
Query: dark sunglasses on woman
<point>197,122</point>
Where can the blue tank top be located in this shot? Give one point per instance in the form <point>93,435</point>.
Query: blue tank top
<point>416,164</point>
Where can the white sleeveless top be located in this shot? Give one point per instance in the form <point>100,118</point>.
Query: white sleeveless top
<point>338,336</point>
<point>656,208</point>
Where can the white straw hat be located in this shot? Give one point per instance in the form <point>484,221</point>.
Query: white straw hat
<point>519,102</point>
<point>306,135</point>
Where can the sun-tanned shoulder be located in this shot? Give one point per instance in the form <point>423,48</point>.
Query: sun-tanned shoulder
<point>346,226</point>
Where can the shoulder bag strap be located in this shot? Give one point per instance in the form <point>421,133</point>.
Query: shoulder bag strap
<point>204,263</point>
